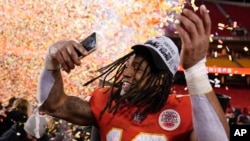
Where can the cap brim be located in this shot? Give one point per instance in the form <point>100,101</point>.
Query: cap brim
<point>156,58</point>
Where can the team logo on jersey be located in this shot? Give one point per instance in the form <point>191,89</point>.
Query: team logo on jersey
<point>169,119</point>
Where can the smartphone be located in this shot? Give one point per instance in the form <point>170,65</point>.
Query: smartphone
<point>89,43</point>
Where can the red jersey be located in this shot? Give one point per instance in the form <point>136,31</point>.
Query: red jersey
<point>172,123</point>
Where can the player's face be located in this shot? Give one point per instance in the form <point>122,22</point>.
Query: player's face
<point>136,68</point>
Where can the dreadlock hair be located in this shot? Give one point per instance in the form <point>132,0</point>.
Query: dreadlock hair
<point>149,99</point>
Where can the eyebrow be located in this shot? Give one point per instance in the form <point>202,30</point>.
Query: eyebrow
<point>138,63</point>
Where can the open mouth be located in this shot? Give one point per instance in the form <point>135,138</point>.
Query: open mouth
<point>126,86</point>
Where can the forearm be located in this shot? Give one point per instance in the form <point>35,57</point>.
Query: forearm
<point>51,94</point>
<point>208,117</point>
<point>209,125</point>
<point>56,103</point>
<point>50,89</point>
<point>50,84</point>
<point>61,56</point>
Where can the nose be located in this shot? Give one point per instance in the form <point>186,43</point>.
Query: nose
<point>129,71</point>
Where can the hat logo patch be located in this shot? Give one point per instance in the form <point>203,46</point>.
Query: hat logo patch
<point>164,51</point>
<point>167,55</point>
<point>169,120</point>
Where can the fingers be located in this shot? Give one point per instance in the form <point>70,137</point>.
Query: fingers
<point>194,32</point>
<point>206,18</point>
<point>81,49</point>
<point>184,37</point>
<point>64,53</point>
<point>193,25</point>
<point>67,62</point>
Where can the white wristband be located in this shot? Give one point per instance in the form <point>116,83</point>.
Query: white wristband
<point>51,64</point>
<point>197,79</point>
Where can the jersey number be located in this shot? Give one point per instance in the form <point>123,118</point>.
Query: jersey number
<point>116,135</point>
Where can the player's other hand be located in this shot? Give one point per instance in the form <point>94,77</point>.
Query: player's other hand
<point>194,31</point>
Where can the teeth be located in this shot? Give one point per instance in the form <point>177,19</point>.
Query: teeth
<point>125,87</point>
<point>126,84</point>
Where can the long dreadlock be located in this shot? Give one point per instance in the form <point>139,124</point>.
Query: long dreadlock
<point>150,99</point>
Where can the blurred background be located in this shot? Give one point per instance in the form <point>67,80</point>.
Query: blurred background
<point>28,27</point>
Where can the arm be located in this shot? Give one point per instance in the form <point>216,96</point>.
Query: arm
<point>51,95</point>
<point>208,117</point>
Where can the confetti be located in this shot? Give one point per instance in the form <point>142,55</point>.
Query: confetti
<point>27,30</point>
